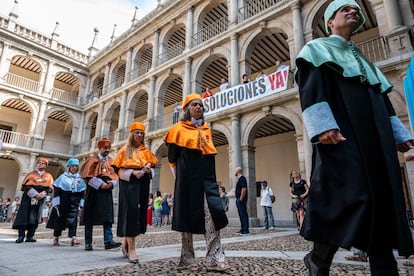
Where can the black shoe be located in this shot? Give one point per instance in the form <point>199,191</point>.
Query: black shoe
<point>238,232</point>
<point>313,269</point>
<point>30,240</point>
<point>88,247</point>
<point>112,244</point>
<point>19,240</point>
<point>246,233</point>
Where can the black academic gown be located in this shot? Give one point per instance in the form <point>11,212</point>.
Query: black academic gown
<point>99,206</point>
<point>195,176</point>
<point>132,221</point>
<point>356,196</point>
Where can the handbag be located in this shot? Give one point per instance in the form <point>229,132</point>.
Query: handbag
<point>272,198</point>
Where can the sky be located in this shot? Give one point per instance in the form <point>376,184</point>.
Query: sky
<point>78,18</point>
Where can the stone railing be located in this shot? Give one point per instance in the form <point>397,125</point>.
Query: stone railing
<point>16,139</point>
<point>254,7</point>
<point>210,31</point>
<point>21,82</point>
<point>374,49</point>
<point>64,96</point>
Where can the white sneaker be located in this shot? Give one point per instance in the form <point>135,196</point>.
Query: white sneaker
<point>272,228</point>
<point>264,228</point>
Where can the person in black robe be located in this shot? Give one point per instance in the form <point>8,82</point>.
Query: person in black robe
<point>68,197</point>
<point>99,206</point>
<point>36,186</point>
<point>134,164</point>
<point>356,196</point>
<point>197,204</point>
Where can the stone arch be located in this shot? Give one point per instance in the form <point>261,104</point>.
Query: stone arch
<point>247,136</point>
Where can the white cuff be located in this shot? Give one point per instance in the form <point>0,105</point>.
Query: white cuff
<point>56,201</point>
<point>32,193</point>
<point>125,174</point>
<point>95,182</point>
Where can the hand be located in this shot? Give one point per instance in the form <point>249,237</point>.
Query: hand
<point>138,174</point>
<point>331,137</point>
<point>409,157</point>
<point>406,146</point>
<point>56,207</point>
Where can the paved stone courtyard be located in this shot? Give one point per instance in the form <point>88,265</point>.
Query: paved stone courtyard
<point>263,252</point>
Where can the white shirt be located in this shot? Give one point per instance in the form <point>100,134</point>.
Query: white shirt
<point>265,197</point>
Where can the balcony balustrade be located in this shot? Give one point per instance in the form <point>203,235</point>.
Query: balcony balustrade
<point>64,96</point>
<point>21,82</point>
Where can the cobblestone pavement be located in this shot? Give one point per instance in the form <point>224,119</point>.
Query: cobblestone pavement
<point>241,254</point>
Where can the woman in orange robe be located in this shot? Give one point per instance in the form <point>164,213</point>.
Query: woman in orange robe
<point>134,164</point>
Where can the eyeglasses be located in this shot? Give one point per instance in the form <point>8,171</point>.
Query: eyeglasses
<point>41,163</point>
<point>138,133</point>
<point>196,103</point>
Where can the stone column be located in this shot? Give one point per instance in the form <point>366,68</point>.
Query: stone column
<point>297,26</point>
<point>4,60</point>
<point>307,147</point>
<point>235,73</point>
<point>48,81</point>
<point>128,65</point>
<point>233,12</point>
<point>151,99</point>
<point>393,13</point>
<point>248,153</point>
<point>98,130</point>
<point>236,159</point>
<point>190,29</point>
<point>156,49</point>
<point>187,76</point>
<point>121,121</point>
<point>41,120</point>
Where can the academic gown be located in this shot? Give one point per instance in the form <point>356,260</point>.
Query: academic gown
<point>133,194</point>
<point>70,189</point>
<point>29,214</point>
<point>195,177</point>
<point>99,205</point>
<point>356,197</point>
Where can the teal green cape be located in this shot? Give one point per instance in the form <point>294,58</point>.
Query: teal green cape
<point>348,58</point>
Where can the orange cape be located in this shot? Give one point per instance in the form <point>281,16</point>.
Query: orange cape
<point>34,179</point>
<point>139,159</point>
<point>186,135</point>
<point>95,167</point>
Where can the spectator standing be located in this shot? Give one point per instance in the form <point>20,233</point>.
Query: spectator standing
<point>36,186</point>
<point>223,84</point>
<point>134,163</point>
<point>197,205</point>
<point>15,208</point>
<point>7,205</point>
<point>170,200</point>
<point>46,210</point>
<point>165,210</point>
<point>150,208</point>
<point>101,178</point>
<point>356,197</point>
<point>224,198</point>
<point>68,197</point>
<point>241,201</point>
<point>298,190</point>
<point>2,210</point>
<point>266,202</point>
<point>157,209</point>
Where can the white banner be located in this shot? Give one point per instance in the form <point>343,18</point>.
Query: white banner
<point>245,93</point>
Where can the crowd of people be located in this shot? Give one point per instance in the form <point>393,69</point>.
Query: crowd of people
<point>355,189</point>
